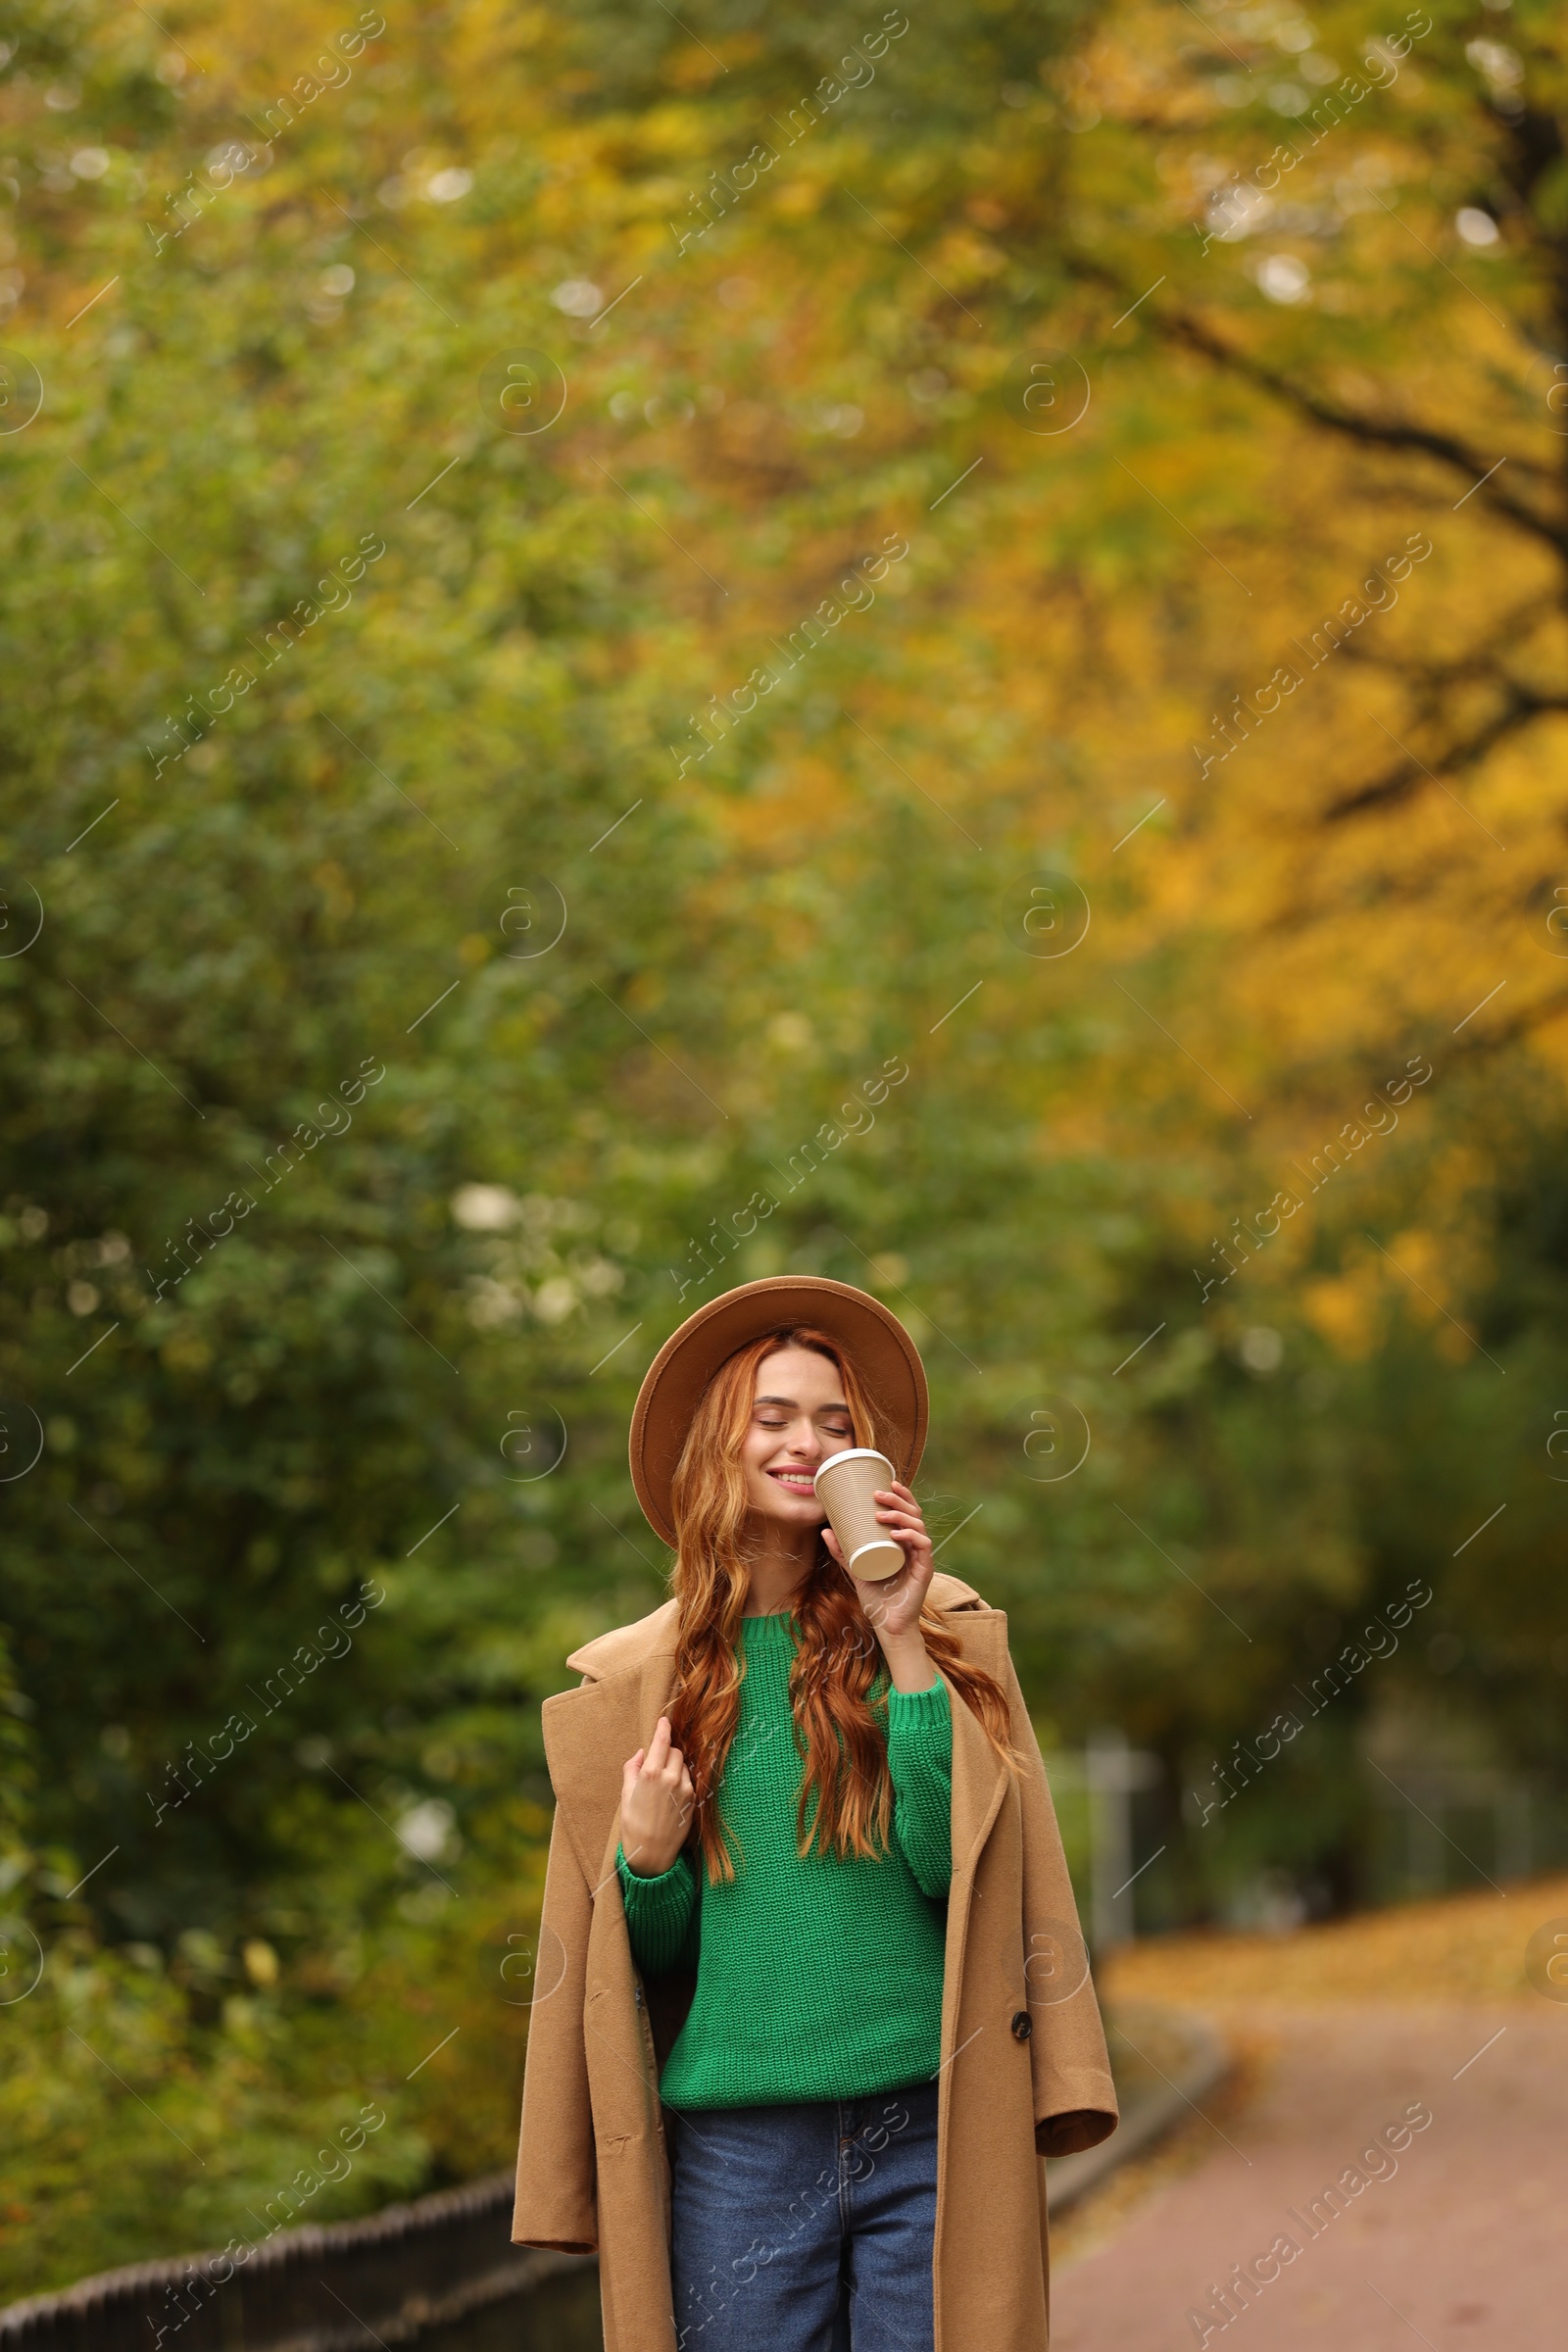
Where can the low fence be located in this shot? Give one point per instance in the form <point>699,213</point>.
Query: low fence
<point>404,2273</point>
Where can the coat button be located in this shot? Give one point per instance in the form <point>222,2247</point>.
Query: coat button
<point>1022,2025</point>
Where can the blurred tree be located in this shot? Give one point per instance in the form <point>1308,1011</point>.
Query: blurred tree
<point>500,886</point>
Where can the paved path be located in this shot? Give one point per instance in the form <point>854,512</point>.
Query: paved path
<point>1464,2247</point>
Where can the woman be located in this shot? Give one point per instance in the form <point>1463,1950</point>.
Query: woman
<point>810,2001</point>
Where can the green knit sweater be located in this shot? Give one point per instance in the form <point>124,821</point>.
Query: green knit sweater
<point>817,1977</point>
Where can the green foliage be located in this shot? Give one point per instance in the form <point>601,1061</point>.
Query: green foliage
<point>149,2110</point>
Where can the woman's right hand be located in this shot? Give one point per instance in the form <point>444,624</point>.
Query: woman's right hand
<point>656,1804</point>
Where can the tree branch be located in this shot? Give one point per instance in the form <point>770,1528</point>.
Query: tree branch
<point>1397,783</point>
<point>1368,433</point>
<point>1482,661</point>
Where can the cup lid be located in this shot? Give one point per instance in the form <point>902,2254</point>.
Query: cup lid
<point>850,1454</point>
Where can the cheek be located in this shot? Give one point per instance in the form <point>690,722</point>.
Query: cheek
<point>763,1496</point>
<point>758,1450</point>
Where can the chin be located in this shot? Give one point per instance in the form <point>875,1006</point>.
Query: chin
<point>803,1510</point>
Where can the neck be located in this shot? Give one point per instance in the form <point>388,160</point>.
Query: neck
<point>780,1566</point>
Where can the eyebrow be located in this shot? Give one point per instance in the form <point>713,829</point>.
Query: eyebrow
<point>790,1401</point>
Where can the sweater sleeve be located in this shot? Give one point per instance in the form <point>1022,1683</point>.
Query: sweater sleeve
<point>660,1913</point>
<point>920,1764</point>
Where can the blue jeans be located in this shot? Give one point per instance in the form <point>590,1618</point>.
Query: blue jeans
<point>808,2227</point>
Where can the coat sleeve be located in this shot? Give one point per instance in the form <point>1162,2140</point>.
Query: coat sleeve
<point>557,2199</point>
<point>1075,2096</point>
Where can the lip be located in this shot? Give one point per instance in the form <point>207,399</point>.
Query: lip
<point>793,1482</point>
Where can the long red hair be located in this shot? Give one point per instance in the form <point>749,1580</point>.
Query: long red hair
<point>846,1798</point>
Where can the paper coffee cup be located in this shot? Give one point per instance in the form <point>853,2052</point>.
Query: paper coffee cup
<point>846,1485</point>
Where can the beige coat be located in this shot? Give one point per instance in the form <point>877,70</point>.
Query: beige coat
<point>1024,2071</point>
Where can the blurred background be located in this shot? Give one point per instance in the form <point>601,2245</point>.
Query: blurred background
<point>645,649</point>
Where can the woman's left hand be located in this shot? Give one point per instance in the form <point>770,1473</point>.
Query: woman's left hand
<point>893,1605</point>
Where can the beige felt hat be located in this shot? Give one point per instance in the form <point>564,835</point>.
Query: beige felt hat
<point>881,1349</point>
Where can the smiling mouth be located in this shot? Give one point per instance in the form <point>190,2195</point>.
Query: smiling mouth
<point>794,1482</point>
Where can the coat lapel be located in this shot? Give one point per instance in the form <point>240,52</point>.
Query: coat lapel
<point>589,1734</point>
<point>979,1776</point>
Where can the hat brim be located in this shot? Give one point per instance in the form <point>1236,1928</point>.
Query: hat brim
<point>881,1350</point>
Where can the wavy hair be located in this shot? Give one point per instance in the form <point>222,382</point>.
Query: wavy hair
<point>846,1797</point>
